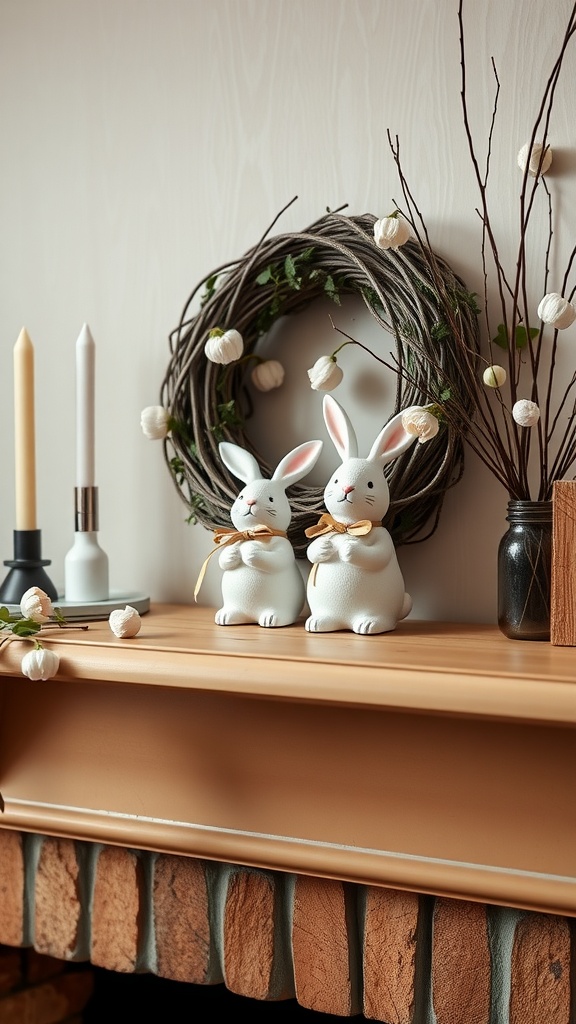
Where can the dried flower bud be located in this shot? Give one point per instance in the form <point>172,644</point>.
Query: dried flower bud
<point>36,605</point>
<point>125,622</point>
<point>40,664</point>
<point>154,422</point>
<point>526,413</point>
<point>556,310</point>
<point>533,157</point>
<point>494,376</point>
<point>268,375</point>
<point>224,346</point>
<point>391,232</point>
<point>325,375</point>
<point>420,421</point>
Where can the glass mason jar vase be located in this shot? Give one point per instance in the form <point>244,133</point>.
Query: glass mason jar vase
<point>524,571</point>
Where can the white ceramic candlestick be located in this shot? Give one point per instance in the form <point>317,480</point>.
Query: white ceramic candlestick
<point>86,564</point>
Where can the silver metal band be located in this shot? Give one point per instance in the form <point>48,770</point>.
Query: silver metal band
<point>85,509</point>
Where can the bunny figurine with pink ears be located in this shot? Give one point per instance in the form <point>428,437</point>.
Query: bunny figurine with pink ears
<point>355,582</point>
<point>261,581</point>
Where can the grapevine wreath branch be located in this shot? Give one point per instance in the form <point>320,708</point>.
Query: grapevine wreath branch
<point>419,302</point>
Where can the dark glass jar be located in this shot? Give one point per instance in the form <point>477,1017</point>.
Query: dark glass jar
<point>524,571</point>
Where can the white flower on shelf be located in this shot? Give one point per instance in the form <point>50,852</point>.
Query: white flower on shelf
<point>554,309</point>
<point>494,376</point>
<point>534,160</point>
<point>125,622</point>
<point>325,375</point>
<point>268,375</point>
<point>40,664</point>
<point>420,421</point>
<point>391,232</point>
<point>224,346</point>
<point>526,413</point>
<point>154,420</point>
<point>36,605</point>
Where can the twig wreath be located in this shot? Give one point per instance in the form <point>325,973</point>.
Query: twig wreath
<point>414,296</point>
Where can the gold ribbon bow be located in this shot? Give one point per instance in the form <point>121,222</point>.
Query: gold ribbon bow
<point>224,536</point>
<point>327,524</point>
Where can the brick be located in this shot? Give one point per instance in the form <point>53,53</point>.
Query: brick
<point>389,954</point>
<point>51,1002</point>
<point>249,934</point>
<point>540,971</point>
<point>181,918</point>
<point>11,888</point>
<point>320,947</point>
<point>116,905</point>
<point>57,899</point>
<point>461,967</point>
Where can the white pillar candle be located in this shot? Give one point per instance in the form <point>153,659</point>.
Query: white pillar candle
<point>85,362</point>
<point>24,433</point>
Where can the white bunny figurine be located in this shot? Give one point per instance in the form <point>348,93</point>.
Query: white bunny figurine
<point>262,582</point>
<point>355,582</point>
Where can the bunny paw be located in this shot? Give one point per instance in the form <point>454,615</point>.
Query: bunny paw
<point>228,617</point>
<point>375,625</point>
<point>321,624</point>
<point>269,619</point>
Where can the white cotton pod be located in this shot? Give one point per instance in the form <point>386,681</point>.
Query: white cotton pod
<point>421,422</point>
<point>40,664</point>
<point>36,605</point>
<point>494,376</point>
<point>325,375</point>
<point>554,309</point>
<point>268,375</point>
<point>154,422</point>
<point>224,346</point>
<point>525,413</point>
<point>531,158</point>
<point>125,622</point>
<point>391,232</point>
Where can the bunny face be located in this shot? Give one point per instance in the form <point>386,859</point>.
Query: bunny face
<point>357,490</point>
<point>262,503</point>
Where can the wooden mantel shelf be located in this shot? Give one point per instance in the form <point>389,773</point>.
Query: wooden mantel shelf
<point>439,758</point>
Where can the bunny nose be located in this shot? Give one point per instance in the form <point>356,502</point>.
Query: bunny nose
<point>250,502</point>
<point>347,489</point>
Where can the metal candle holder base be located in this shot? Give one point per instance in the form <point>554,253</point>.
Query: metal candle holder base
<point>26,569</point>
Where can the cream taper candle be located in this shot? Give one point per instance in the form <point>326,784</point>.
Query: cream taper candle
<point>85,363</point>
<point>24,433</point>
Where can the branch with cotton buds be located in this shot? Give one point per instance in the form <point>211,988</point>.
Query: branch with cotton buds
<point>36,613</point>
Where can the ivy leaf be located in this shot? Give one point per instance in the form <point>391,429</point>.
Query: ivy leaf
<point>291,275</point>
<point>4,614</point>
<point>265,276</point>
<point>520,337</point>
<point>26,627</point>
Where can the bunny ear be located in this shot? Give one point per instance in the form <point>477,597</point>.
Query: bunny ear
<point>298,463</point>
<point>392,441</point>
<point>240,462</point>
<point>340,429</point>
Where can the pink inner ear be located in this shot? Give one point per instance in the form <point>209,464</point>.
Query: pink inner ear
<point>296,462</point>
<point>394,439</point>
<point>337,427</point>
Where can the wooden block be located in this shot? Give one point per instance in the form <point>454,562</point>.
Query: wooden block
<point>11,968</point>
<point>389,954</point>
<point>116,903</point>
<point>49,1003</point>
<point>249,934</point>
<point>461,968</point>
<point>11,888</point>
<point>182,919</point>
<point>57,899</point>
<point>540,971</point>
<point>321,947</point>
<point>563,586</point>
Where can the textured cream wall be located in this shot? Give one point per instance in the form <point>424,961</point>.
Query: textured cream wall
<point>144,142</point>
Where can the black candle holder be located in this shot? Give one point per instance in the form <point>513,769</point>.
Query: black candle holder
<point>26,569</point>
